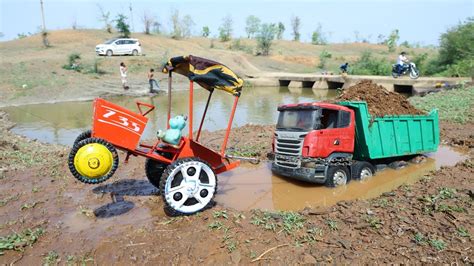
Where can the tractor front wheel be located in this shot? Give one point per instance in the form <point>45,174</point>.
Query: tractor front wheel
<point>154,170</point>
<point>93,160</point>
<point>188,186</point>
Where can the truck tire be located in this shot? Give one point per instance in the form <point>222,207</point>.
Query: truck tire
<point>337,175</point>
<point>154,170</point>
<point>362,170</point>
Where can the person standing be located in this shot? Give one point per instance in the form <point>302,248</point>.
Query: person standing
<point>151,81</point>
<point>123,75</point>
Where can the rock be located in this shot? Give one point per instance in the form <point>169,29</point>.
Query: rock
<point>308,259</point>
<point>236,257</point>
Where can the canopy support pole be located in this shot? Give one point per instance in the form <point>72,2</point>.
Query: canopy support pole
<point>204,115</point>
<point>190,118</point>
<point>229,126</point>
<point>169,99</point>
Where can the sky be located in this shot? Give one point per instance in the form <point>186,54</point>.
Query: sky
<point>419,22</point>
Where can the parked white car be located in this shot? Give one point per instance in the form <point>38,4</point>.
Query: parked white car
<point>119,47</point>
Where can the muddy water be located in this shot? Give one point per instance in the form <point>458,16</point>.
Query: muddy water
<point>252,187</point>
<point>62,122</point>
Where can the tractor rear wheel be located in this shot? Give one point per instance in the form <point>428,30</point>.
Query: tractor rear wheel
<point>188,185</point>
<point>93,160</point>
<point>84,135</point>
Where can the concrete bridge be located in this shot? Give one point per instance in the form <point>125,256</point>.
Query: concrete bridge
<point>317,81</point>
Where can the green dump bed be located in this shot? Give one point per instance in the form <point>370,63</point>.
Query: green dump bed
<point>392,136</point>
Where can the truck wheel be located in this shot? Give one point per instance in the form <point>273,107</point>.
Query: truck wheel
<point>363,170</point>
<point>154,170</point>
<point>337,176</point>
<point>188,186</point>
<point>84,135</point>
<point>93,160</point>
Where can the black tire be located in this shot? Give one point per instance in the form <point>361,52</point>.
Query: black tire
<point>84,179</point>
<point>134,52</point>
<point>362,170</point>
<point>169,170</point>
<point>84,135</point>
<point>154,170</point>
<point>333,176</point>
<point>109,53</point>
<point>394,74</point>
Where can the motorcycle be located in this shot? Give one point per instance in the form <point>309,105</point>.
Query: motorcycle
<point>410,69</point>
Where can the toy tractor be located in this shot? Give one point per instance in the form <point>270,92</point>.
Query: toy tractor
<point>181,168</point>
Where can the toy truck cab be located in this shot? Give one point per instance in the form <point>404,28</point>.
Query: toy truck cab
<point>313,141</point>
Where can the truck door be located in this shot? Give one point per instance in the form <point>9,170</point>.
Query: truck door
<point>335,133</point>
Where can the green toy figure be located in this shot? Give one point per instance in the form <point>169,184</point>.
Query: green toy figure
<point>173,134</point>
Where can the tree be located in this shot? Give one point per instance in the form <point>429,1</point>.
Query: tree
<point>205,31</point>
<point>105,18</point>
<point>265,36</point>
<point>280,30</point>
<point>381,39</point>
<point>318,36</point>
<point>323,58</point>
<point>156,27</point>
<point>392,40</point>
<point>252,26</point>
<point>187,26</point>
<point>295,26</point>
<point>122,26</point>
<point>177,31</point>
<point>148,21</point>
<point>225,30</point>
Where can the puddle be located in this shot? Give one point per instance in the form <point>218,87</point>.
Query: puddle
<point>249,187</point>
<point>60,123</point>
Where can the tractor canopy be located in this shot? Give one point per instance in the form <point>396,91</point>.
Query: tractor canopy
<point>207,73</point>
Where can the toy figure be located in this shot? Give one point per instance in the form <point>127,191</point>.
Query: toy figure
<point>173,134</point>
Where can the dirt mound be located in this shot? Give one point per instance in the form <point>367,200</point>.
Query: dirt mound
<point>381,102</point>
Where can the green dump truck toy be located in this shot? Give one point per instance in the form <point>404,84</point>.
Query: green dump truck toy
<point>333,143</point>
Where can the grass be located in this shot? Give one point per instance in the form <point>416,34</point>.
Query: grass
<point>51,259</point>
<point>6,200</point>
<point>220,214</point>
<point>332,224</point>
<point>287,222</point>
<point>463,232</point>
<point>453,105</point>
<point>373,221</point>
<point>17,241</point>
<point>421,240</point>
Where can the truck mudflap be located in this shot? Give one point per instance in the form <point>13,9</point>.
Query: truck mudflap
<point>313,175</point>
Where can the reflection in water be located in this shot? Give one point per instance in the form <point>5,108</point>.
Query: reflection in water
<point>62,122</point>
<point>255,187</point>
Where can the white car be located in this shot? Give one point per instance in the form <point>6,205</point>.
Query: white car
<point>119,47</point>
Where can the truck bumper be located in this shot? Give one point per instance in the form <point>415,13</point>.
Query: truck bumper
<point>315,175</point>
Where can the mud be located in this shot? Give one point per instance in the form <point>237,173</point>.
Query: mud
<point>380,101</point>
<point>122,221</point>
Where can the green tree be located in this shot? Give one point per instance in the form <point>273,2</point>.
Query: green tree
<point>122,26</point>
<point>295,26</point>
<point>265,36</point>
<point>225,30</point>
<point>280,30</point>
<point>392,40</point>
<point>368,65</point>
<point>323,58</point>
<point>205,31</point>
<point>252,26</point>
<point>457,43</point>
<point>318,37</point>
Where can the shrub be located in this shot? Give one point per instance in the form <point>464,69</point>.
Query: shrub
<point>73,62</point>
<point>368,65</point>
<point>264,38</point>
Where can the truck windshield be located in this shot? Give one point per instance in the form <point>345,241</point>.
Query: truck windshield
<point>295,120</point>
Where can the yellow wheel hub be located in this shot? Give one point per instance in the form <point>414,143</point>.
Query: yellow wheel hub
<point>93,160</point>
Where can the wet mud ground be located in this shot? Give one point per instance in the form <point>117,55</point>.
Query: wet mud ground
<point>47,216</point>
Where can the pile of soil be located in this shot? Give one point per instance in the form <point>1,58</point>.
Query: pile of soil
<point>380,101</point>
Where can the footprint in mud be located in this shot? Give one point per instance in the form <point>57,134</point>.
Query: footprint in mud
<point>128,187</point>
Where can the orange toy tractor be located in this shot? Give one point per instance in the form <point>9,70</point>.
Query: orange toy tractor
<point>184,172</point>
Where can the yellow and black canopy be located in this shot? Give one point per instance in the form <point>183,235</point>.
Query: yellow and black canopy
<point>207,73</point>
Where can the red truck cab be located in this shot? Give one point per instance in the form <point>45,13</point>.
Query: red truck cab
<point>314,142</point>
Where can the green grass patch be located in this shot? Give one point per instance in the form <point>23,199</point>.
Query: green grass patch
<point>17,241</point>
<point>454,105</point>
<point>287,222</point>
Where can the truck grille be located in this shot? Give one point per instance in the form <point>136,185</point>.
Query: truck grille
<point>288,148</point>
